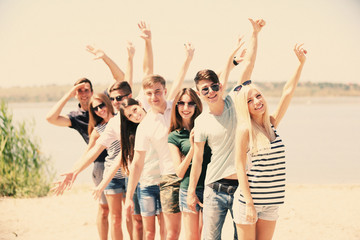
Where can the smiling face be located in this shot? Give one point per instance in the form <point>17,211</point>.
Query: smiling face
<point>155,95</point>
<point>134,113</point>
<point>209,91</point>
<point>84,94</point>
<point>256,103</point>
<point>117,97</point>
<point>186,107</point>
<point>100,108</point>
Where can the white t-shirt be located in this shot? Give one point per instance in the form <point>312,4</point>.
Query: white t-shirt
<point>152,132</point>
<point>151,171</point>
<point>219,132</point>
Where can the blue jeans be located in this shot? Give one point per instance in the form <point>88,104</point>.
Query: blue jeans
<point>216,206</point>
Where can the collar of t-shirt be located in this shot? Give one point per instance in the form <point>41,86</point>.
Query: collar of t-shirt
<point>80,109</point>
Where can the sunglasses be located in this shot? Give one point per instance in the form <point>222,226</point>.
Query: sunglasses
<point>238,88</point>
<point>98,107</point>
<point>182,104</point>
<point>214,87</point>
<point>119,98</point>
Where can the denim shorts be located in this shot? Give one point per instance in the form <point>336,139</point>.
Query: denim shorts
<point>135,198</point>
<point>182,200</point>
<point>264,212</point>
<point>149,200</point>
<point>115,186</point>
<point>97,176</point>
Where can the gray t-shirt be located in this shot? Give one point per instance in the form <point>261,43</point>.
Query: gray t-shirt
<point>219,132</point>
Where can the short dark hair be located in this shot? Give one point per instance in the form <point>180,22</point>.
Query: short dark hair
<point>206,74</point>
<point>124,86</point>
<point>84,80</point>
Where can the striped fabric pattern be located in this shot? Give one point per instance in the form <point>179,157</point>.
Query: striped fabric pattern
<point>112,151</point>
<point>266,175</point>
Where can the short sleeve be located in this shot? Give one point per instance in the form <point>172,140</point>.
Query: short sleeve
<point>199,133</point>
<point>173,139</point>
<point>110,134</point>
<point>142,142</point>
<point>79,122</point>
<point>72,117</point>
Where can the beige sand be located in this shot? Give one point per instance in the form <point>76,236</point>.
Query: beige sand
<point>311,212</point>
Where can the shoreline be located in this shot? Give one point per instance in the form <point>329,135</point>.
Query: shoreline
<point>310,212</point>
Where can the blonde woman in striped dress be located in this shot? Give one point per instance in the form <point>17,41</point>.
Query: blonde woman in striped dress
<point>260,158</point>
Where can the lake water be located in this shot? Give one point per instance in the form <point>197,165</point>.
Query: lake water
<point>321,137</point>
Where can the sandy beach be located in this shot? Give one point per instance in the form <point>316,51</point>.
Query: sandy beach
<point>328,212</point>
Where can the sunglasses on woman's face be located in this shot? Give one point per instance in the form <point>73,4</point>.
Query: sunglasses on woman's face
<point>215,87</point>
<point>118,98</point>
<point>182,104</point>
<point>99,107</point>
<point>238,88</point>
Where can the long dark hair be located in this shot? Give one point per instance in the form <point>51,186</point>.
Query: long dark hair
<point>176,120</point>
<point>94,119</point>
<point>128,130</point>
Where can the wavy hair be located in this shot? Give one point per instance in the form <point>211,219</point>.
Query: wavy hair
<point>94,119</point>
<point>176,120</point>
<point>257,137</point>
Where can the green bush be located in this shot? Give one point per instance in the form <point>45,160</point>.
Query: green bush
<point>24,170</point>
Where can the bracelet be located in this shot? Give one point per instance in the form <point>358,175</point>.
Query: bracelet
<point>235,62</point>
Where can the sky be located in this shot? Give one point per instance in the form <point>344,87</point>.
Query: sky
<point>43,42</point>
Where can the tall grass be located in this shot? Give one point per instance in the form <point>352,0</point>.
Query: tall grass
<point>24,170</point>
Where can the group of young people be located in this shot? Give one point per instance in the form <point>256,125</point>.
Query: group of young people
<point>189,155</point>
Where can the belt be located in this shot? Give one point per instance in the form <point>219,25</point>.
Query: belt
<point>223,188</point>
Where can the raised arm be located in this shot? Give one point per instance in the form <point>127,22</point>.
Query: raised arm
<point>249,61</point>
<point>177,84</point>
<point>117,73</point>
<point>242,144</point>
<point>54,116</point>
<point>289,88</point>
<point>136,169</point>
<point>196,168</point>
<point>129,67</point>
<point>224,75</point>
<point>182,164</point>
<point>148,64</point>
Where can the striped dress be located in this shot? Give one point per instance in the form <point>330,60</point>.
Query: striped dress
<point>112,151</point>
<point>266,174</point>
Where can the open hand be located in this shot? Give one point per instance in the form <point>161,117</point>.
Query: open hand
<point>145,31</point>
<point>99,53</point>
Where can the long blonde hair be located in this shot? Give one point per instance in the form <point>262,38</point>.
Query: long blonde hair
<point>257,137</point>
